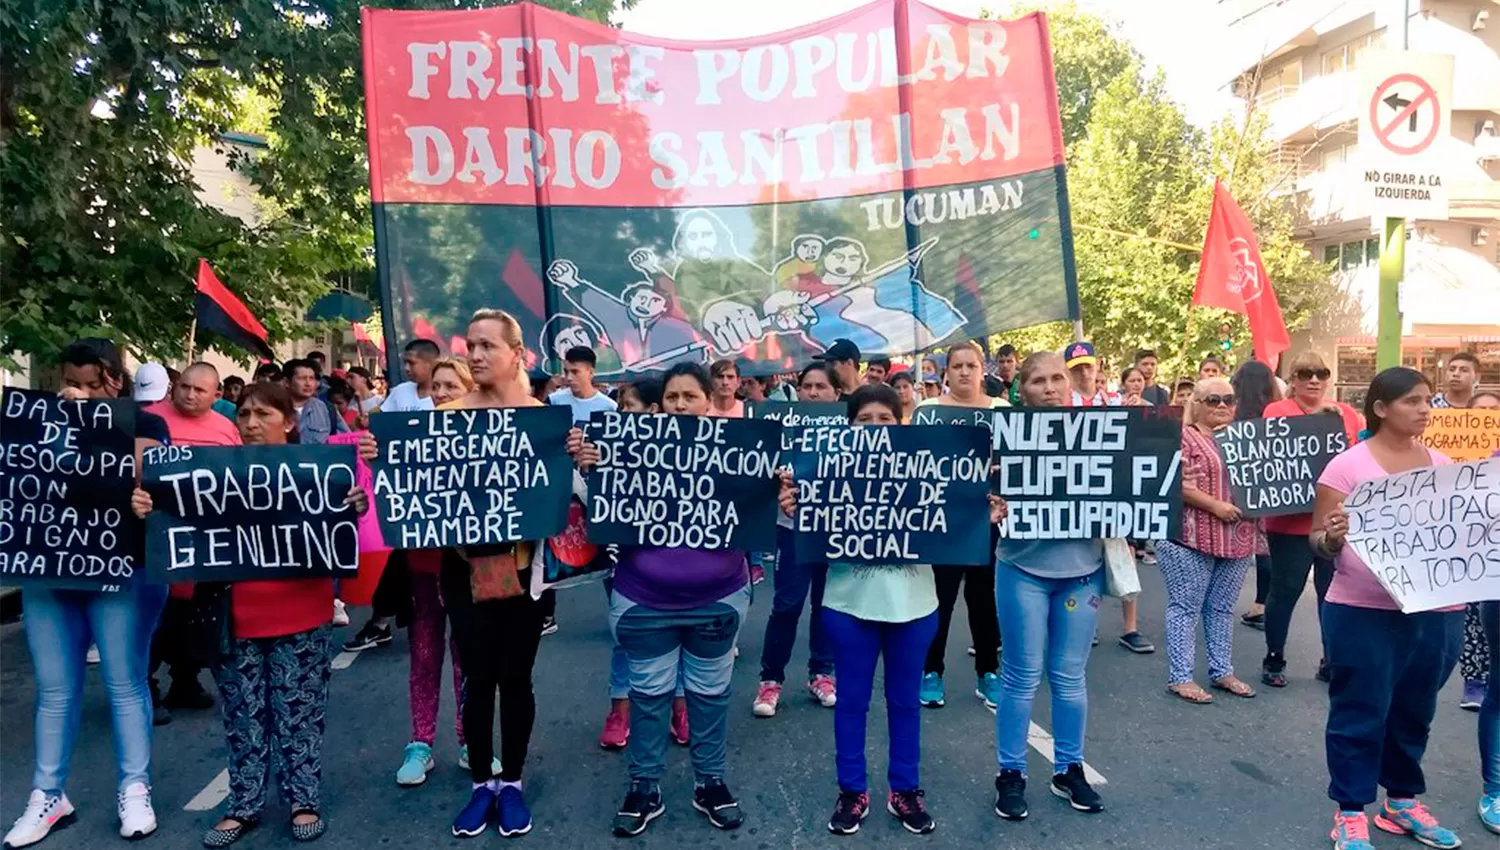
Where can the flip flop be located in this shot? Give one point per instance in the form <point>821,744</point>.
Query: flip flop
<point>1234,686</point>
<point>1191,692</point>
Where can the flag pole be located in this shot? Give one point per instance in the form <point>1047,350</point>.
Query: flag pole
<point>192,340</point>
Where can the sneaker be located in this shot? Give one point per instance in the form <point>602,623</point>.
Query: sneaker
<point>1322,675</point>
<point>823,689</point>
<point>463,761</point>
<point>340,613</point>
<point>766,699</point>
<point>757,574</point>
<point>137,818</point>
<point>987,688</point>
<point>160,714</point>
<point>1410,817</point>
<point>1351,831</point>
<point>1010,795</point>
<point>549,626</point>
<point>512,812</point>
<point>931,693</point>
<point>909,808</point>
<point>1273,671</point>
<point>1254,621</point>
<point>477,815</point>
<point>720,806</point>
<point>1473,695</point>
<point>44,812</point>
<point>416,762</point>
<point>642,806</point>
<point>849,812</point>
<point>92,656</point>
<point>1074,787</point>
<point>1489,812</point>
<point>369,636</point>
<point>1137,643</point>
<point>680,732</point>
<point>616,732</point>
<point>1148,558</point>
<point>189,695</point>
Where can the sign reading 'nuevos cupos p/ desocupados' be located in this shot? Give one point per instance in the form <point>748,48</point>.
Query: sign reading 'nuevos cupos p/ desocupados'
<point>1274,463</point>
<point>1431,536</point>
<point>66,472</point>
<point>472,477</point>
<point>247,513</point>
<point>695,482</point>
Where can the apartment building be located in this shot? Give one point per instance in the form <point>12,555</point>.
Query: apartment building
<point>1298,61</point>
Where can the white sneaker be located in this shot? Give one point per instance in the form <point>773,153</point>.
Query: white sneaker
<point>340,615</point>
<point>137,818</point>
<point>92,657</point>
<point>43,812</point>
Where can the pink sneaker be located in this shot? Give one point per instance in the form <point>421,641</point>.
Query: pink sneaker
<point>767,698</point>
<point>616,732</point>
<point>757,574</point>
<point>680,722</point>
<point>823,690</point>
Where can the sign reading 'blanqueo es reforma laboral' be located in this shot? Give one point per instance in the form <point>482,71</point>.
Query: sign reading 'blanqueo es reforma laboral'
<point>1274,463</point>
<point>1431,535</point>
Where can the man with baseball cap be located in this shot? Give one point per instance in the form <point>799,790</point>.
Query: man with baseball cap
<point>151,383</point>
<point>1083,368</point>
<point>843,358</point>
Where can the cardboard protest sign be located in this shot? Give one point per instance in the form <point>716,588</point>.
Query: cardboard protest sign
<point>1463,434</point>
<point>370,538</point>
<point>952,414</point>
<point>1080,473</point>
<point>67,469</point>
<point>246,513</point>
<point>1431,535</point>
<point>798,414</point>
<point>697,482</point>
<point>1274,463</point>
<point>892,495</point>
<point>471,477</point>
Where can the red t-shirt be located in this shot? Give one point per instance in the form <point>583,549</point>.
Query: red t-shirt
<point>264,609</point>
<point>210,429</point>
<point>1301,524</point>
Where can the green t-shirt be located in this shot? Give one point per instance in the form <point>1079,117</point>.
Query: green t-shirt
<point>897,593</point>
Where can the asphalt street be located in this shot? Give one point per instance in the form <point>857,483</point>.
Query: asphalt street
<point>1235,774</point>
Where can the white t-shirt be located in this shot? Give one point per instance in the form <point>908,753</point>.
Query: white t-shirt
<point>583,408</point>
<point>368,404</point>
<point>403,397</point>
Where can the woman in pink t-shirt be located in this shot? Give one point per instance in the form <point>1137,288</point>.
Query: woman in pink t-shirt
<point>1385,667</point>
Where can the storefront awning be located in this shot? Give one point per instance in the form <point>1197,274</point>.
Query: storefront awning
<point>1444,285</point>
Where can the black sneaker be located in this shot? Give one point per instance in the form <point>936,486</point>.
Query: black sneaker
<point>1254,621</point>
<point>850,810</point>
<point>1273,671</point>
<point>715,801</point>
<point>642,806</point>
<point>1322,675</point>
<point>160,714</point>
<point>1137,643</point>
<point>1073,787</point>
<point>908,808</point>
<point>1010,795</point>
<point>549,626</point>
<point>188,695</point>
<point>369,636</point>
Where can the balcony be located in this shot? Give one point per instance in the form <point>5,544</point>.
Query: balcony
<point>1317,104</point>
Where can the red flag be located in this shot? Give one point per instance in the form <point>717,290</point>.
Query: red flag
<point>221,312</point>
<point>424,330</point>
<point>1232,277</point>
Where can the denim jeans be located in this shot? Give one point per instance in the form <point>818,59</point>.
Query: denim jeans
<point>1489,710</point>
<point>1052,620</point>
<point>59,625</point>
<point>793,581</point>
<point>619,664</point>
<point>859,645</point>
<point>697,644</point>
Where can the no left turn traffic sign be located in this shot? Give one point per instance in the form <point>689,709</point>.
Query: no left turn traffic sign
<point>1403,109</point>
<point>1402,106</point>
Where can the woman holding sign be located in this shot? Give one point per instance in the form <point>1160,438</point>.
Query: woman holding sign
<point>677,609</point>
<point>274,681</point>
<point>965,374</point>
<point>1205,568</point>
<point>1385,667</point>
<point>1047,593</point>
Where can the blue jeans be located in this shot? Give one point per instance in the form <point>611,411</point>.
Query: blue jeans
<point>793,580</point>
<point>1489,710</point>
<point>1051,619</point>
<point>619,663</point>
<point>859,644</point>
<point>698,646</point>
<point>59,625</point>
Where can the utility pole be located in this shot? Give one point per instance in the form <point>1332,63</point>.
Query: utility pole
<point>1392,260</point>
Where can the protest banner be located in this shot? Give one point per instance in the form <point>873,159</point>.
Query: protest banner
<point>1081,473</point>
<point>1432,535</point>
<point>67,469</point>
<point>245,513</point>
<point>953,414</point>
<point>697,482</point>
<point>892,495</point>
<point>1274,463</point>
<point>370,538</point>
<point>1466,434</point>
<point>471,477</point>
<point>893,175</point>
<point>798,414</point>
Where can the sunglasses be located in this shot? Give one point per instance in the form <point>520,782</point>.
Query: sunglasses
<point>1309,374</point>
<point>1218,400</point>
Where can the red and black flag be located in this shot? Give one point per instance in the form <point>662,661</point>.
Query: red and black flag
<point>218,310</point>
<point>892,176</point>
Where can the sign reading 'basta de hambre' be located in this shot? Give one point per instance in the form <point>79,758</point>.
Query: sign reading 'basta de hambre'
<point>891,176</point>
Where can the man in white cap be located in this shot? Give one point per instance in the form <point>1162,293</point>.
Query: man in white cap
<point>151,383</point>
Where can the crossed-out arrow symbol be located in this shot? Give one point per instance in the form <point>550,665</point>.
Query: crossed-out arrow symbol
<point>1398,103</point>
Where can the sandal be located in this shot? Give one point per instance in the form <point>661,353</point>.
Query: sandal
<point>310,831</point>
<point>220,837</point>
<point>1231,685</point>
<point>1191,692</point>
